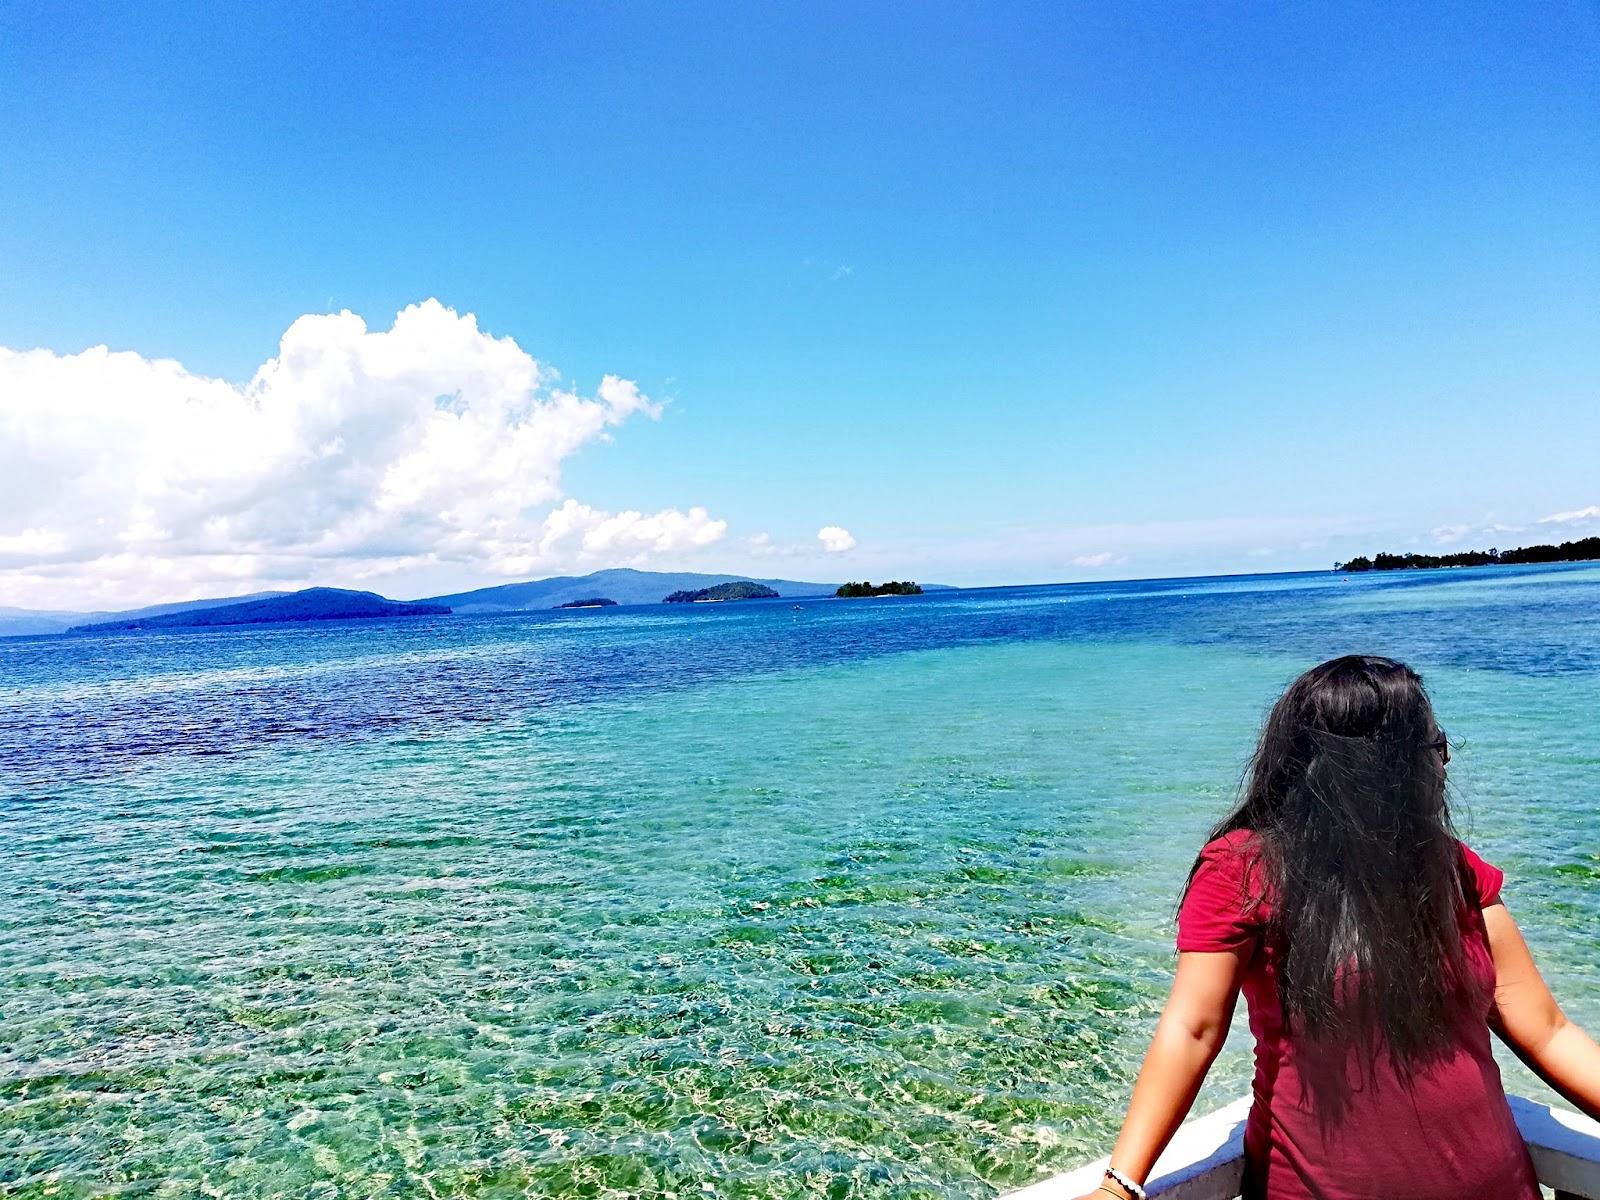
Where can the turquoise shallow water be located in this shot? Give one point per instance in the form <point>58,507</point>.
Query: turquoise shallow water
<point>870,899</point>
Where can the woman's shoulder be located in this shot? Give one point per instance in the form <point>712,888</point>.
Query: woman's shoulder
<point>1233,839</point>
<point>1236,850</point>
<point>1482,880</point>
<point>1223,906</point>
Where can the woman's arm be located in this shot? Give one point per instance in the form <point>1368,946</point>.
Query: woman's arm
<point>1529,1020</point>
<point>1193,1027</point>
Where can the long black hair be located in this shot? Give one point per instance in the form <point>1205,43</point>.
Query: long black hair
<point>1345,799</point>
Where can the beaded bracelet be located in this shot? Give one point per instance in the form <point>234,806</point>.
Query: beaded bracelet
<point>1127,1185</point>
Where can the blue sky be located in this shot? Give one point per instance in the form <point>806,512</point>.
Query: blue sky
<point>1011,292</point>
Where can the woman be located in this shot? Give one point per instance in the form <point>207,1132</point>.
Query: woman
<point>1375,957</point>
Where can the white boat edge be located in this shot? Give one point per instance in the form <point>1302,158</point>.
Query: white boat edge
<point>1205,1160</point>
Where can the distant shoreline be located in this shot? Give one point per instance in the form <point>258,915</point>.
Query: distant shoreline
<point>1583,550</point>
<point>25,623</point>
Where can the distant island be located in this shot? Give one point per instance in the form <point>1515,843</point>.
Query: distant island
<point>312,604</point>
<point>624,585</point>
<point>893,588</point>
<point>742,590</point>
<point>1583,550</point>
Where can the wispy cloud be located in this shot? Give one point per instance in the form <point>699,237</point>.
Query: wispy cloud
<point>1576,516</point>
<point>1104,558</point>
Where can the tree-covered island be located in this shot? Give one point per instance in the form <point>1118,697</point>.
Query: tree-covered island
<point>894,587</point>
<point>1582,550</point>
<point>597,602</point>
<point>741,590</point>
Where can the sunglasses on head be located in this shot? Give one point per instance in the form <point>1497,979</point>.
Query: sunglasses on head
<point>1441,744</point>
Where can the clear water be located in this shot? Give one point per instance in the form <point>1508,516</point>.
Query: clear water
<point>869,899</point>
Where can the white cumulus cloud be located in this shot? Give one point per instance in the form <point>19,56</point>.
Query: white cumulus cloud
<point>575,532</point>
<point>835,540</point>
<point>353,454</point>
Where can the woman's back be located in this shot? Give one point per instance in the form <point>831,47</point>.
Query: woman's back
<point>1342,1120</point>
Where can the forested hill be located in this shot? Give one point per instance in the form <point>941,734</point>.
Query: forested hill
<point>1583,550</point>
<point>894,587</point>
<point>312,604</point>
<point>742,589</point>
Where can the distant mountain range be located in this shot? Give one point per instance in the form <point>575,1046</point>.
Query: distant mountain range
<point>624,585</point>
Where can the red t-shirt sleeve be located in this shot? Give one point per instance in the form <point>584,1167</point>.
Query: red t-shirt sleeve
<point>1484,879</point>
<point>1217,911</point>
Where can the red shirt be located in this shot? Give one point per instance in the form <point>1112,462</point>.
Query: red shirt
<point>1444,1132</point>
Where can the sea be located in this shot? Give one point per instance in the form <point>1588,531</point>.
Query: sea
<point>866,898</point>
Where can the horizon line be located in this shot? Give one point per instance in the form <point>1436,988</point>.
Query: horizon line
<point>732,576</point>
<point>735,577</point>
